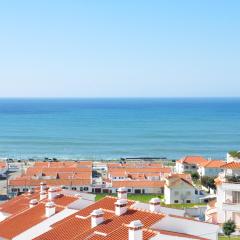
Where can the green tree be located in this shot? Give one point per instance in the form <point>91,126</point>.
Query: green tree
<point>195,176</point>
<point>229,228</point>
<point>208,182</point>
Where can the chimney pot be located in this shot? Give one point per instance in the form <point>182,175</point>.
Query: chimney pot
<point>30,191</point>
<point>43,186</point>
<point>154,204</point>
<point>52,193</point>
<point>33,203</point>
<point>50,209</point>
<point>122,193</point>
<point>135,231</point>
<point>97,217</point>
<point>43,194</point>
<point>120,207</point>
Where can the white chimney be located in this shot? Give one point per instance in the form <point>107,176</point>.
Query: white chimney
<point>30,191</point>
<point>52,193</point>
<point>154,205</point>
<point>43,186</point>
<point>43,194</point>
<point>33,203</point>
<point>135,231</point>
<point>97,217</point>
<point>120,207</point>
<point>50,209</point>
<point>122,193</point>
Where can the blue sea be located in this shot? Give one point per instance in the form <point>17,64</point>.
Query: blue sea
<point>114,128</point>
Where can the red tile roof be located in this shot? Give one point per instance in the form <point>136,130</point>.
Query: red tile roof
<point>3,164</point>
<point>176,179</point>
<point>113,227</point>
<point>11,227</point>
<point>18,203</point>
<point>134,165</point>
<point>26,217</point>
<point>231,165</point>
<point>50,182</point>
<point>212,164</point>
<point>193,160</point>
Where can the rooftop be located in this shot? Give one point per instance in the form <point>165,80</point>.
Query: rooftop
<point>193,160</point>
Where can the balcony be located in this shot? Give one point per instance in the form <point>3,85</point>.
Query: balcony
<point>231,186</point>
<point>234,207</point>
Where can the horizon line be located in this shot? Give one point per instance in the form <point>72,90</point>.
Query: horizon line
<point>128,97</point>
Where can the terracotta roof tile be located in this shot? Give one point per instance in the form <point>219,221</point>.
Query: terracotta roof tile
<point>18,203</point>
<point>193,160</point>
<point>231,165</point>
<point>13,226</point>
<point>50,182</point>
<point>212,164</point>
<point>113,227</point>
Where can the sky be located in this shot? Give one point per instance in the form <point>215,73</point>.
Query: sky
<point>120,48</point>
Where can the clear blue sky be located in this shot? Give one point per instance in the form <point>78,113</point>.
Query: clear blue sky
<point>119,48</point>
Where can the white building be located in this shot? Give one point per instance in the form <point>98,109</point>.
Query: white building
<point>228,193</point>
<point>180,190</point>
<point>210,168</point>
<point>233,156</point>
<point>139,186</point>
<point>189,164</point>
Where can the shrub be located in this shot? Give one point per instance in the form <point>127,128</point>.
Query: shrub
<point>208,182</point>
<point>229,228</point>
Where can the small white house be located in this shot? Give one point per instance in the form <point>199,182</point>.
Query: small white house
<point>179,190</point>
<point>189,164</point>
<point>210,168</point>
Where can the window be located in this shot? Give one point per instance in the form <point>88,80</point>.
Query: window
<point>138,191</point>
<point>74,188</point>
<point>186,167</point>
<point>85,188</point>
<point>188,201</point>
<point>129,190</point>
<point>175,201</point>
<point>193,167</point>
<point>25,189</point>
<point>81,189</point>
<point>236,197</point>
<point>196,192</point>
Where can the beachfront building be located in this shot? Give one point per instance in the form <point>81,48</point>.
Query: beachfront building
<point>137,171</point>
<point>210,168</point>
<point>228,193</point>
<point>143,177</point>
<point>69,175</point>
<point>189,164</point>
<point>139,186</point>
<point>179,189</point>
<point>137,177</point>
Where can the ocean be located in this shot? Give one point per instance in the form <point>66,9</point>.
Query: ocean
<point>114,128</point>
